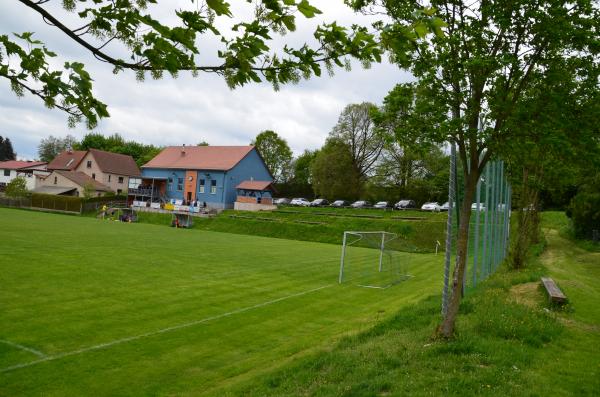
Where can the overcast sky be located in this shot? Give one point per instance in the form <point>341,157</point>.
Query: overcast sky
<point>189,110</point>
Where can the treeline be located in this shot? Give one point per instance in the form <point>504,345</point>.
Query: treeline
<point>142,153</point>
<point>361,159</point>
<point>6,150</point>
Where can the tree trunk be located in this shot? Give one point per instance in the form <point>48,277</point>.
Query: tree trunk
<point>447,327</point>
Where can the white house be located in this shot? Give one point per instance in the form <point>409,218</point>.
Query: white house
<point>32,171</point>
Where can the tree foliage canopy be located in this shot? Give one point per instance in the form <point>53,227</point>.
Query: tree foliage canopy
<point>356,129</point>
<point>302,166</point>
<point>6,150</point>
<point>276,153</point>
<point>471,81</point>
<point>129,35</point>
<point>51,146</point>
<point>115,143</point>
<point>334,175</point>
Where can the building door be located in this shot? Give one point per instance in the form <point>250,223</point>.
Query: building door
<point>190,185</point>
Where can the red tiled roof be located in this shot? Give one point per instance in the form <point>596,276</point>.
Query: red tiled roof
<point>115,163</point>
<point>82,179</point>
<point>18,164</point>
<point>67,160</point>
<point>218,158</point>
<point>255,185</point>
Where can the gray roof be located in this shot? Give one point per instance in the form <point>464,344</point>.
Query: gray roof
<point>52,189</point>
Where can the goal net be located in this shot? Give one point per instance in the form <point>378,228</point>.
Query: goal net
<point>368,261</point>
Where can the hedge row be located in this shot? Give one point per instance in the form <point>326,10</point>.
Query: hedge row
<point>61,203</point>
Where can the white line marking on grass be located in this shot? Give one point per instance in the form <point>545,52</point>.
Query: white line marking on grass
<point>158,332</point>
<point>21,347</point>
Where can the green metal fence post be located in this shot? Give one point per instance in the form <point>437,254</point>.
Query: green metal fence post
<point>485,224</point>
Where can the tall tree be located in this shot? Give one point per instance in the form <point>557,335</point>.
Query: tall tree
<point>356,129</point>
<point>6,150</point>
<point>302,166</point>
<point>475,77</point>
<point>51,146</point>
<point>399,166</point>
<point>333,173</point>
<point>560,113</point>
<point>129,35</point>
<point>276,153</point>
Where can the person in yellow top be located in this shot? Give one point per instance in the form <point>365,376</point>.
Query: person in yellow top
<point>104,210</point>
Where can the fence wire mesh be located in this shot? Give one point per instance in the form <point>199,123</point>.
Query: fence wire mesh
<point>488,226</point>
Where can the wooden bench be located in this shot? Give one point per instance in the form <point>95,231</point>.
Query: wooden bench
<point>554,293</point>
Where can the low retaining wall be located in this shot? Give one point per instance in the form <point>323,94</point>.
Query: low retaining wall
<point>253,207</point>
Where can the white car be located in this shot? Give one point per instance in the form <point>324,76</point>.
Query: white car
<point>300,201</point>
<point>360,204</point>
<point>446,206</point>
<point>431,207</point>
<point>481,207</point>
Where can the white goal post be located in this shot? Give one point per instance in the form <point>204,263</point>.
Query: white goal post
<point>368,261</point>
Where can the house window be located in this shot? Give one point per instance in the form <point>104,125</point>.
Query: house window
<point>55,180</point>
<point>201,185</point>
<point>213,187</point>
<point>170,184</point>
<point>134,183</point>
<point>109,177</point>
<point>93,176</point>
<point>120,179</point>
<point>6,172</point>
<point>179,184</point>
<point>89,164</point>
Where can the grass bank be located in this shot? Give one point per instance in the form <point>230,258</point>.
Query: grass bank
<point>508,341</point>
<point>302,224</point>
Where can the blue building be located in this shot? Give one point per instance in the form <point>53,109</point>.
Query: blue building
<point>206,174</point>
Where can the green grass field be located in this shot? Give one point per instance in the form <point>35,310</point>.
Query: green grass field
<point>91,307</point>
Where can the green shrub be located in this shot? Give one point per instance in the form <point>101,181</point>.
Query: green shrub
<point>17,187</point>
<point>585,210</point>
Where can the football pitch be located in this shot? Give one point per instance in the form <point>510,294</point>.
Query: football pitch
<point>91,307</point>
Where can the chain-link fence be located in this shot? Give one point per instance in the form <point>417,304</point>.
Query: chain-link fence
<point>488,228</point>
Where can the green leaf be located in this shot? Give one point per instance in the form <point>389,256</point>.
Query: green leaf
<point>220,7</point>
<point>307,10</point>
<point>421,29</point>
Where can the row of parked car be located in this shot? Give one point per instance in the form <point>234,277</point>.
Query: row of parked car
<point>401,205</point>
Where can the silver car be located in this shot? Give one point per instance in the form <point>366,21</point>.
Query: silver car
<point>360,204</point>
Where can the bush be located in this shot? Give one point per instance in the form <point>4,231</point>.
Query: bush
<point>17,188</point>
<point>585,210</point>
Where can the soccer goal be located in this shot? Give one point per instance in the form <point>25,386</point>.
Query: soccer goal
<point>368,261</point>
